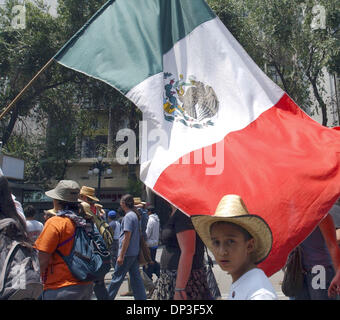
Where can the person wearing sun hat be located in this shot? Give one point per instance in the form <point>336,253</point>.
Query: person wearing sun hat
<point>239,241</point>
<point>58,232</point>
<point>87,194</point>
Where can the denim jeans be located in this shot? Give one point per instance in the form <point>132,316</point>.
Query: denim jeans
<point>130,265</point>
<point>310,293</point>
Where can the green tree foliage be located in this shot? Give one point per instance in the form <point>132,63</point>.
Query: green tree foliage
<point>62,103</point>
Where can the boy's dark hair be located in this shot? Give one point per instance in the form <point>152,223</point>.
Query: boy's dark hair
<point>30,211</point>
<point>246,234</point>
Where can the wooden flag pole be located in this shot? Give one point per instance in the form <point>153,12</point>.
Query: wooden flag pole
<point>12,104</point>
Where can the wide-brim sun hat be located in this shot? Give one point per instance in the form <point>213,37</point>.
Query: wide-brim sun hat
<point>232,209</point>
<point>65,190</point>
<point>89,192</point>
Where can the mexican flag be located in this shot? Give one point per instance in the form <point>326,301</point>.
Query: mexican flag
<point>213,122</point>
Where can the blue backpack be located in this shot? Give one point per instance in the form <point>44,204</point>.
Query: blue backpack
<point>89,259</point>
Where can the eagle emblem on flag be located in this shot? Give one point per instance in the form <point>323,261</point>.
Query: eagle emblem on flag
<point>191,102</point>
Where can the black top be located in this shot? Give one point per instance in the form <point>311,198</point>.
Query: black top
<point>179,222</point>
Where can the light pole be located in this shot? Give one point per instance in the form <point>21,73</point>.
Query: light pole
<point>99,168</point>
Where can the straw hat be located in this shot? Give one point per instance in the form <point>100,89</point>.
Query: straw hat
<point>89,192</point>
<point>65,190</point>
<point>232,209</point>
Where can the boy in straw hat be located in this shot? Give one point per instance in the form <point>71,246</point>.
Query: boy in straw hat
<point>239,241</point>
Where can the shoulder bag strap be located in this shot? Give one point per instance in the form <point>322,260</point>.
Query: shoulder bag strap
<point>65,242</point>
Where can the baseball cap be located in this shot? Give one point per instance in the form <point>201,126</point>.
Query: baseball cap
<point>112,213</point>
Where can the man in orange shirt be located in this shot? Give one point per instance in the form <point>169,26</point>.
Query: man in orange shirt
<point>58,233</point>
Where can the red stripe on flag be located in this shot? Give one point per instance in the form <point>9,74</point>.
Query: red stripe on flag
<point>284,165</point>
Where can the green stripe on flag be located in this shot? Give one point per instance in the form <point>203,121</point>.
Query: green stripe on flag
<point>124,42</point>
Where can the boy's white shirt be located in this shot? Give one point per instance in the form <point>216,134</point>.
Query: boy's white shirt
<point>253,285</point>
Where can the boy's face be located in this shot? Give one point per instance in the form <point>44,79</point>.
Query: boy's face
<point>231,249</point>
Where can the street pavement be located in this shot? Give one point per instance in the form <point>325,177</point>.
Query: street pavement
<point>222,278</point>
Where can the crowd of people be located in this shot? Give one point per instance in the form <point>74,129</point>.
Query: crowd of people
<point>238,240</point>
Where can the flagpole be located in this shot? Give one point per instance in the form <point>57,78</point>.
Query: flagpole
<point>11,105</point>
